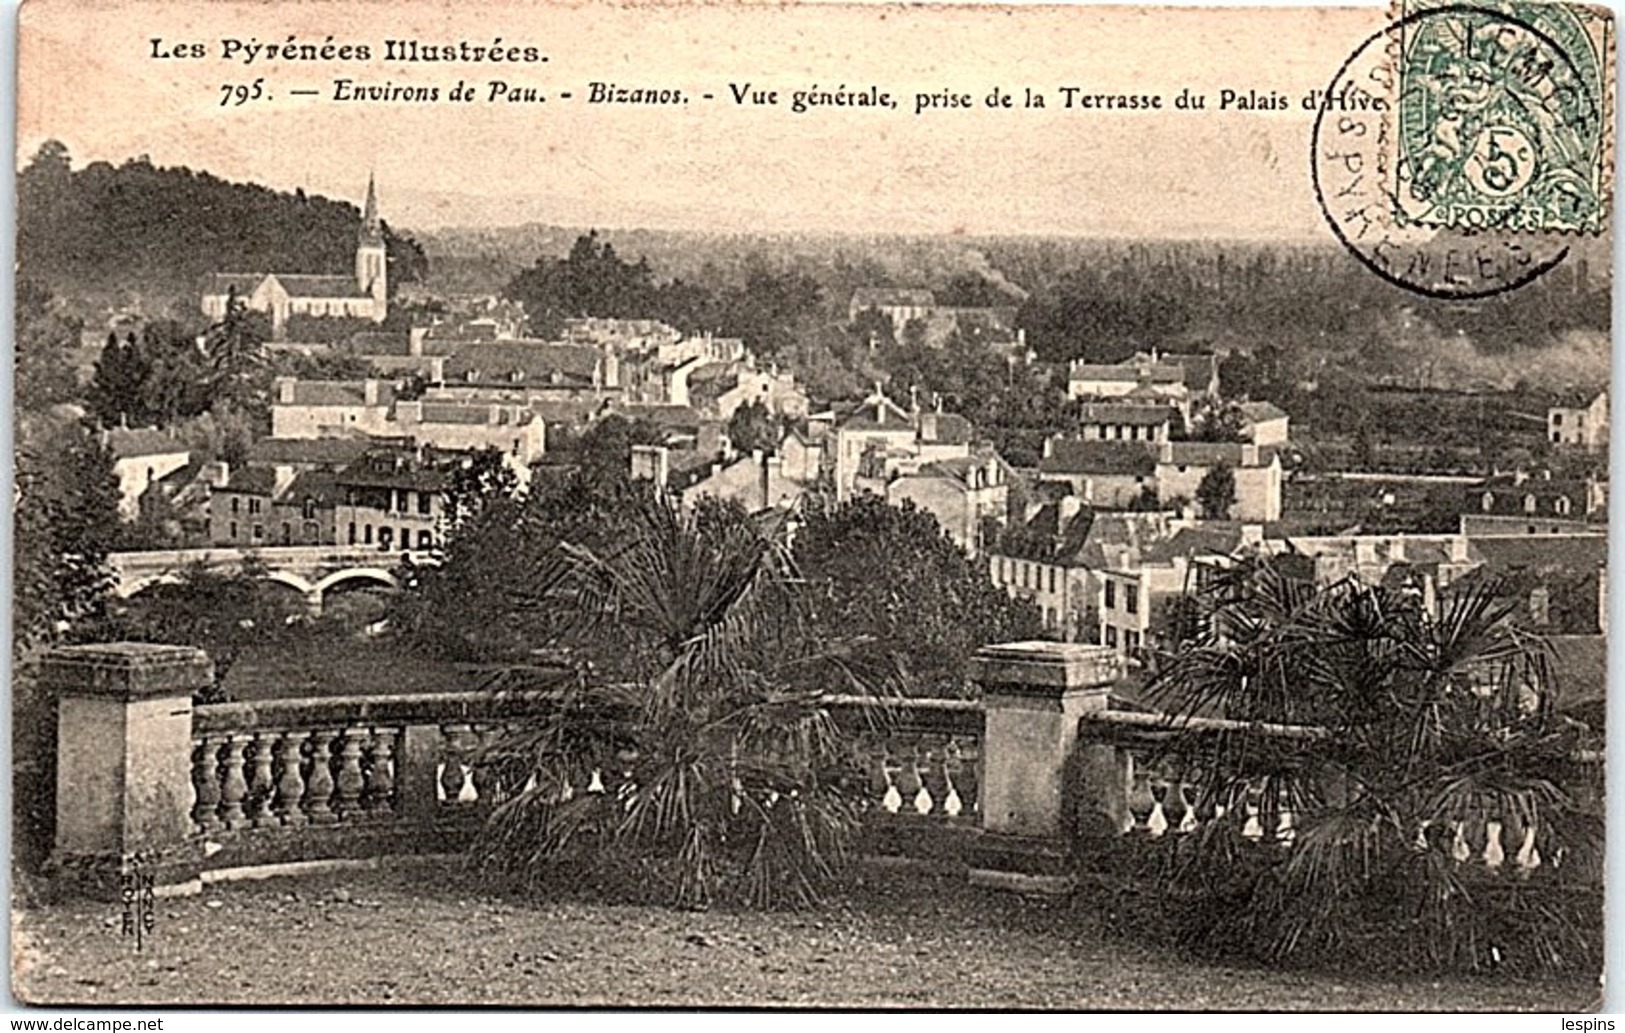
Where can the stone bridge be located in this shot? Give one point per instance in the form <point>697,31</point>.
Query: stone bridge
<point>312,570</point>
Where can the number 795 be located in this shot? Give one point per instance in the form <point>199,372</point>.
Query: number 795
<point>237,94</point>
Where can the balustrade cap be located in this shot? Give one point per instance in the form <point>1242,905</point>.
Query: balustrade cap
<point>127,670</point>
<point>1045,668</point>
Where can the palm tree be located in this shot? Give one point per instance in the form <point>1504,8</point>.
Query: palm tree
<point>1433,808</point>
<point>696,746</point>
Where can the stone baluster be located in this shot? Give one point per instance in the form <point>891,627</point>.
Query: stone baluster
<point>290,788</point>
<point>350,783</point>
<point>319,788</point>
<point>381,773</point>
<point>924,800</point>
<point>1142,803</point>
<point>908,775</point>
<point>1460,849</point>
<point>952,803</point>
<point>233,787</point>
<point>1494,853</point>
<point>456,778</point>
<point>261,785</point>
<point>206,785</point>
<point>1157,822</point>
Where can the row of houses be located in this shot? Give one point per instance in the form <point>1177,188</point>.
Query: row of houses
<point>1113,578</point>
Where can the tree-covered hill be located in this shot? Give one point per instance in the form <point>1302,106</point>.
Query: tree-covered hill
<point>109,235</point>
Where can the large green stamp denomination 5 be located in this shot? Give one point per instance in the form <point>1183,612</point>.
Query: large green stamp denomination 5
<point>1504,116</point>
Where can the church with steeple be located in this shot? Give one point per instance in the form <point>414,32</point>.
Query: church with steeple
<point>283,295</point>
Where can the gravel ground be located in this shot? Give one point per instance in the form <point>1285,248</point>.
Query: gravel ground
<point>411,936</point>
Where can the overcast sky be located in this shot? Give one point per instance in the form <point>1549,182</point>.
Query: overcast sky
<point>89,80</point>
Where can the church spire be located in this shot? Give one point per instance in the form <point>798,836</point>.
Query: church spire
<point>371,231</point>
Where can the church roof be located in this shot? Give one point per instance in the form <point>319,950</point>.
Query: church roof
<point>299,285</point>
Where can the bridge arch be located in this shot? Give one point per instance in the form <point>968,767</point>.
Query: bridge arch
<point>131,589</point>
<point>290,580</point>
<point>372,574</point>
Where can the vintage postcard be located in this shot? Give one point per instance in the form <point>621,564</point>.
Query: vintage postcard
<point>811,505</point>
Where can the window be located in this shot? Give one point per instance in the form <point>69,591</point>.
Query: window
<point>232,533</point>
<point>425,500</point>
<point>352,532</point>
<point>1557,437</point>
<point>310,509</point>
<point>1131,598</point>
<point>1562,505</point>
<point>259,532</point>
<point>234,503</point>
<point>366,535</point>
<point>1052,579</point>
<point>1111,597</point>
<point>1111,636</point>
<point>1557,419</point>
<point>253,506</point>
<point>386,535</point>
<point>287,533</point>
<point>424,541</point>
<point>1131,640</point>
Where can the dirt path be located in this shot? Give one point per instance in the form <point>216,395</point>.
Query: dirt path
<point>413,937</point>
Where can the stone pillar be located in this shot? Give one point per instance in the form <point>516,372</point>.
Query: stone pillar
<point>124,764</point>
<point>1034,694</point>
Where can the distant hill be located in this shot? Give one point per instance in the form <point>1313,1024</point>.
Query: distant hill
<point>105,236</point>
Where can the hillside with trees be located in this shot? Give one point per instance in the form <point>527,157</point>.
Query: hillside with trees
<point>113,236</point>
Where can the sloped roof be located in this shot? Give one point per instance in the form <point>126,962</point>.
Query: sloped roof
<point>319,485</point>
<point>1575,552</point>
<point>1159,373</point>
<point>347,393</point>
<point>1067,456</point>
<point>252,480</point>
<point>302,286</point>
<point>142,441</point>
<point>1210,539</point>
<point>532,361</point>
<point>1211,453</point>
<point>1200,370</point>
<point>308,451</point>
<point>1261,412</point>
<point>1130,415</point>
<point>223,283</point>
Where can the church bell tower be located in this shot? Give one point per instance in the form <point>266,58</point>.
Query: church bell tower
<point>370,263</point>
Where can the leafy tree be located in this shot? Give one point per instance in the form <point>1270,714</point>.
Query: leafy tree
<point>66,522</point>
<point>238,364</point>
<point>475,483</point>
<point>178,378</point>
<point>1433,726</point>
<point>117,385</point>
<point>1216,492</point>
<point>917,605</point>
<point>222,614</point>
<point>45,375</point>
<point>720,771</point>
<point>753,428</point>
<point>1221,421</point>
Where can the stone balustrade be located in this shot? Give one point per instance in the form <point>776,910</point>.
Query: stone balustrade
<point>1147,794</point>
<point>1015,789</point>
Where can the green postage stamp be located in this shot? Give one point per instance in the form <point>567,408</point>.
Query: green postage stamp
<point>1504,117</point>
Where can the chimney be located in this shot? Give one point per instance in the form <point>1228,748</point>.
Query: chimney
<point>414,341</point>
<point>1070,507</point>
<point>369,391</point>
<point>283,477</point>
<point>284,390</point>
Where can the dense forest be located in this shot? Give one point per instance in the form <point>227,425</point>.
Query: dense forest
<point>110,236</point>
